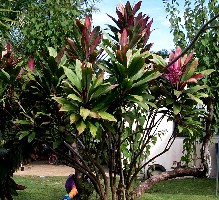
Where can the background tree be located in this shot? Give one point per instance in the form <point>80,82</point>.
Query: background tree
<point>194,16</point>
<point>43,24</point>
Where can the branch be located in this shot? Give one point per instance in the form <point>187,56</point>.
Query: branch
<point>202,29</point>
<point>178,172</point>
<point>168,145</point>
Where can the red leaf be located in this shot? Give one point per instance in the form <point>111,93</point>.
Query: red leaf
<point>191,80</point>
<point>87,22</point>
<point>188,58</point>
<point>136,7</point>
<point>124,38</point>
<point>31,63</point>
<point>120,8</point>
<point>95,43</point>
<point>198,76</point>
<point>8,47</point>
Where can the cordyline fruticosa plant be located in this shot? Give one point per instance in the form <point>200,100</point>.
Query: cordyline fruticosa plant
<point>122,111</point>
<point>113,106</point>
<point>11,151</point>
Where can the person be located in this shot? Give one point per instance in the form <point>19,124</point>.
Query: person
<point>71,189</point>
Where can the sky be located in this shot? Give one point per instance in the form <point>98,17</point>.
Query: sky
<point>160,36</point>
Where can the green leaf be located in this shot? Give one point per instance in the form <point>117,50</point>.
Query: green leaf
<point>176,109</point>
<point>66,105</point>
<point>84,112</point>
<point>177,93</point>
<point>139,98</point>
<point>78,69</point>
<point>158,60</point>
<point>150,77</point>
<point>56,144</point>
<point>151,104</point>
<point>202,95</point>
<point>6,74</point>
<point>195,98</point>
<point>127,84</point>
<point>17,121</point>
<point>107,116</point>
<point>87,77</point>
<point>94,114</point>
<point>190,70</point>
<point>93,129</point>
<point>121,68</point>
<point>73,118</point>
<point>31,136</point>
<point>23,134</point>
<point>73,78</point>
<point>207,71</point>
<point>102,89</point>
<point>147,96</point>
<point>74,97</point>
<point>180,128</point>
<point>136,64</point>
<point>169,100</point>
<point>196,88</point>
<point>143,105</point>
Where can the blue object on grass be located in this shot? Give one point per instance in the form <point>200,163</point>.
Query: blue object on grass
<point>66,197</point>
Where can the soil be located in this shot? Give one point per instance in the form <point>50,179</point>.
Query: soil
<point>43,168</point>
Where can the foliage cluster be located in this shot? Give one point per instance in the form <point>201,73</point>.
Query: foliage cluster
<point>185,29</point>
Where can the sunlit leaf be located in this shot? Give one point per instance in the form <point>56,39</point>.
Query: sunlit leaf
<point>107,116</point>
<point>177,93</point>
<point>176,109</point>
<point>81,127</point>
<point>74,97</point>
<point>93,129</point>
<point>84,113</point>
<point>52,52</point>
<point>73,118</point>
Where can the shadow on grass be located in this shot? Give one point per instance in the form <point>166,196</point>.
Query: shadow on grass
<point>180,189</point>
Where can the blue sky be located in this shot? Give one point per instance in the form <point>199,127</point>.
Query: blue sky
<point>161,36</point>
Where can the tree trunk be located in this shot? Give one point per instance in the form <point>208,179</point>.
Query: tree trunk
<point>205,154</point>
<point>178,172</point>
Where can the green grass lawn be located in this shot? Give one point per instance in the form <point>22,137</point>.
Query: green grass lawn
<point>52,188</point>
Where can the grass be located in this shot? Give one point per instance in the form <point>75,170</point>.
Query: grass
<point>52,188</point>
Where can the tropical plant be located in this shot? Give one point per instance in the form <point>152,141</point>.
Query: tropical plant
<point>185,29</point>
<point>133,86</point>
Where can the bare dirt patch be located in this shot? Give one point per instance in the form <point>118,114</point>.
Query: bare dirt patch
<point>42,168</point>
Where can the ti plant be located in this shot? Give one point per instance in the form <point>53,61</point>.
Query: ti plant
<point>183,96</point>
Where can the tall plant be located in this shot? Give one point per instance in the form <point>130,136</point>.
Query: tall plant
<point>195,15</point>
<point>123,110</point>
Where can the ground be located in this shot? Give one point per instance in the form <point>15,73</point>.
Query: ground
<point>43,168</point>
